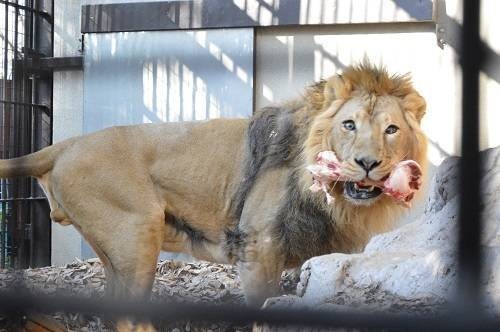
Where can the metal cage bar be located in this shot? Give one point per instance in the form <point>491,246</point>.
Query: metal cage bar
<point>25,104</point>
<point>469,248</point>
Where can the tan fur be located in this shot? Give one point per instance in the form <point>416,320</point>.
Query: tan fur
<point>354,95</point>
<point>124,187</point>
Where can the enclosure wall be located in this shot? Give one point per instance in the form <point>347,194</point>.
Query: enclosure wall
<point>288,58</point>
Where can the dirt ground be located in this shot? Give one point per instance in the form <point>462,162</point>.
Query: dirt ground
<point>197,282</point>
<point>190,282</point>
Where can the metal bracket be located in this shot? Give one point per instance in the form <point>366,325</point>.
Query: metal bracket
<point>447,29</point>
<point>61,63</point>
<point>439,13</point>
<point>40,65</point>
<point>28,231</point>
<point>81,40</point>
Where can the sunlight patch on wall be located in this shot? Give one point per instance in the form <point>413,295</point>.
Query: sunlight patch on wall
<point>147,83</point>
<point>242,74</point>
<point>435,155</point>
<point>268,93</point>
<point>158,76</point>
<point>161,91</point>
<point>319,56</point>
<point>490,112</point>
<point>200,99</point>
<point>187,94</point>
<point>174,86</point>
<point>351,11</point>
<point>261,11</point>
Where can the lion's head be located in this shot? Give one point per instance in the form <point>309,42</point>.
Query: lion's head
<point>371,120</point>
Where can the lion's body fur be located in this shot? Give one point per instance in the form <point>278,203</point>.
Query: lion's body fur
<point>231,191</point>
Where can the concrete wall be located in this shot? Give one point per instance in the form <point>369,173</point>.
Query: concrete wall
<point>167,76</point>
<point>294,57</point>
<point>68,112</point>
<point>490,79</point>
<point>287,59</point>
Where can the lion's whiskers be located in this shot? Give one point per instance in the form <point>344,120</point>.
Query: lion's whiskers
<point>335,183</point>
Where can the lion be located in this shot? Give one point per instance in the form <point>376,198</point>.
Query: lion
<point>235,190</point>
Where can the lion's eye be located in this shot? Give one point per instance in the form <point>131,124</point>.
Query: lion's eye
<point>349,125</point>
<point>392,129</point>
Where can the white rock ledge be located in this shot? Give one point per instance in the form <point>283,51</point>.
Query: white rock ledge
<point>412,267</point>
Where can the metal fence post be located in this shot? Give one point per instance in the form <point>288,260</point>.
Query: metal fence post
<point>469,253</point>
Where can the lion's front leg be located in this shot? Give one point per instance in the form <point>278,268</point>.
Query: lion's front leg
<point>260,258</point>
<point>260,269</point>
<point>259,283</point>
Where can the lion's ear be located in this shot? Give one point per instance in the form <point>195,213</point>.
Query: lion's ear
<point>336,88</point>
<point>415,104</point>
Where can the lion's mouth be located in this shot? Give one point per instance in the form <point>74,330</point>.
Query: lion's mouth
<point>360,192</point>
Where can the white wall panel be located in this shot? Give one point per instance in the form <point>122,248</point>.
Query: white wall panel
<point>138,77</point>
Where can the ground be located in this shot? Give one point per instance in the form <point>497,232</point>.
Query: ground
<point>197,281</point>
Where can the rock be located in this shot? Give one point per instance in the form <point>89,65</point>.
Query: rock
<point>412,268</point>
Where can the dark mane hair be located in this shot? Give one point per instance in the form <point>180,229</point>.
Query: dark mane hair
<point>291,136</point>
<point>272,141</point>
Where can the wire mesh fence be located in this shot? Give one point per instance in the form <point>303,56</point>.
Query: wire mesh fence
<point>25,127</point>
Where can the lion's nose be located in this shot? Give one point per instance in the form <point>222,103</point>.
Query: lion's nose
<point>367,164</point>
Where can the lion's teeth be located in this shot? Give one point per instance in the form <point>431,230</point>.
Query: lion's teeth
<point>363,189</point>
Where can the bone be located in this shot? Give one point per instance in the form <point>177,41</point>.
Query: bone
<point>405,179</point>
<point>401,184</point>
<point>326,170</point>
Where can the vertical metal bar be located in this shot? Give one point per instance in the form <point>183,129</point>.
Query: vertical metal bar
<point>5,55</point>
<point>18,115</point>
<point>30,217</point>
<point>23,129</point>
<point>21,125</point>
<point>3,235</point>
<point>40,230</point>
<point>254,70</point>
<point>3,183</point>
<point>17,129</point>
<point>14,91</point>
<point>51,110</point>
<point>469,247</point>
<point>13,94</point>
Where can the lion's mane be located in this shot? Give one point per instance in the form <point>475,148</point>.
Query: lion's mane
<point>289,136</point>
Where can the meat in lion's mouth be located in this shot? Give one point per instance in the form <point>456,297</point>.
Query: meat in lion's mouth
<point>401,184</point>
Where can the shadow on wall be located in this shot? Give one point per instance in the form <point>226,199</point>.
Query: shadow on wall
<point>308,60</point>
<point>138,77</point>
<point>188,93</point>
<point>247,13</point>
<point>197,75</point>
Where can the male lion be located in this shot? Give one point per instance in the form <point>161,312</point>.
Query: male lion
<point>235,190</point>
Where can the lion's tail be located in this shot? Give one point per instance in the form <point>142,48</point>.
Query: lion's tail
<point>34,164</point>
